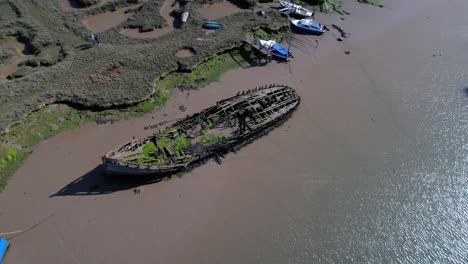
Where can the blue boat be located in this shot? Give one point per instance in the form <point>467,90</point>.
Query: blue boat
<point>275,48</point>
<point>212,25</point>
<point>3,248</point>
<point>308,25</point>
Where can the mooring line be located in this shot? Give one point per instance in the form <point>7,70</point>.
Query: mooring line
<point>20,232</point>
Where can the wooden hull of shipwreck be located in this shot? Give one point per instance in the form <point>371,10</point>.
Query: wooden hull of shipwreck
<point>244,117</point>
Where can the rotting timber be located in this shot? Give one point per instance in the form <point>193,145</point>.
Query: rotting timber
<point>229,125</point>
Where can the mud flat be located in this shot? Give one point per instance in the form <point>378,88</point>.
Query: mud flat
<point>166,10</point>
<point>365,170</point>
<point>22,54</point>
<point>219,10</point>
<point>185,53</point>
<point>102,22</point>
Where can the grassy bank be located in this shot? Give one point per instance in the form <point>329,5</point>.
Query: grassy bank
<point>10,160</point>
<point>53,119</point>
<point>205,72</point>
<point>210,70</point>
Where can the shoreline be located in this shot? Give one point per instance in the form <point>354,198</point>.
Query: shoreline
<point>324,180</point>
<point>14,138</point>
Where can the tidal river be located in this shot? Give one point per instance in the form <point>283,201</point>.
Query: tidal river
<point>371,168</point>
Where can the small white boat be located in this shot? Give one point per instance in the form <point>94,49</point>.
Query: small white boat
<point>308,25</point>
<point>303,12</point>
<point>275,48</point>
<point>185,16</point>
<point>296,9</point>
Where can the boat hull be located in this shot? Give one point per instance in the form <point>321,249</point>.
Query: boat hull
<point>212,25</point>
<point>3,248</point>
<point>185,16</point>
<point>275,48</point>
<point>296,9</point>
<point>112,167</point>
<point>284,101</point>
<point>280,52</point>
<point>313,30</point>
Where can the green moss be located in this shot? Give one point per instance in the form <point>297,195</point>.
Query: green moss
<point>209,139</point>
<point>181,143</point>
<point>45,123</point>
<point>163,142</point>
<point>171,80</point>
<point>148,149</point>
<point>203,73</point>
<point>158,99</point>
<point>53,119</point>
<point>10,160</point>
<point>329,6</point>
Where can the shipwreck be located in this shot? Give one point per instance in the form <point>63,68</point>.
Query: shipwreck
<point>229,125</point>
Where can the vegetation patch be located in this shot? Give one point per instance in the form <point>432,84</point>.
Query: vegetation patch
<point>207,139</point>
<point>211,69</point>
<point>202,74</point>
<point>10,160</point>
<point>53,119</point>
<point>329,6</point>
<point>155,154</point>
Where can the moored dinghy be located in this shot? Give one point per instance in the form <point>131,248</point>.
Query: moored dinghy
<point>308,25</point>
<point>3,248</point>
<point>212,25</point>
<point>296,9</point>
<point>184,16</point>
<point>275,48</point>
<point>230,124</point>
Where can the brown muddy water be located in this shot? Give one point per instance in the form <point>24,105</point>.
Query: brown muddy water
<point>371,168</point>
<point>219,10</point>
<point>104,21</point>
<point>172,23</point>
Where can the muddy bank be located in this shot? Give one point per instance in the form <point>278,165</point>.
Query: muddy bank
<point>19,53</point>
<point>219,10</point>
<point>104,21</point>
<point>366,169</point>
<point>185,53</point>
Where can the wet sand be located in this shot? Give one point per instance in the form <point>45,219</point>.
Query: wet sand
<point>14,62</point>
<point>165,12</point>
<point>104,21</point>
<point>219,10</point>
<point>368,169</point>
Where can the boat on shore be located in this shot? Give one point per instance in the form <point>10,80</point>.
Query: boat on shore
<point>228,125</point>
<point>308,25</point>
<point>212,25</point>
<point>3,248</point>
<point>275,49</point>
<point>296,9</point>
<point>184,16</point>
